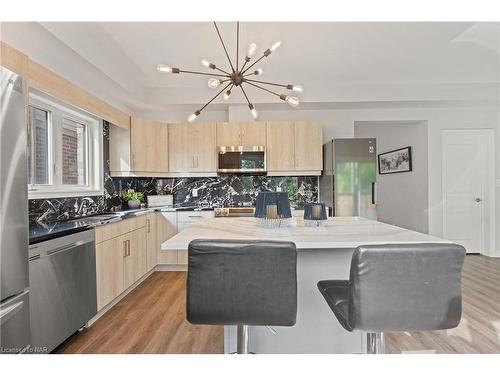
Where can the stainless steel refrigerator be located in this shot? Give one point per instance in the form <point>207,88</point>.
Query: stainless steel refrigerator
<point>348,183</point>
<point>14,300</point>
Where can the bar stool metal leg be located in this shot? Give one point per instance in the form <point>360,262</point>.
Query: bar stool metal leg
<point>242,346</point>
<point>375,343</point>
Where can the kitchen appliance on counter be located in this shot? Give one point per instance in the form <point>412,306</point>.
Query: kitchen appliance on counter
<point>240,159</point>
<point>166,200</point>
<point>234,211</point>
<point>14,284</point>
<point>63,297</point>
<point>348,182</point>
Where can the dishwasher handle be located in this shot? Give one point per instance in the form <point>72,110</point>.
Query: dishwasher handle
<point>65,248</point>
<point>10,311</point>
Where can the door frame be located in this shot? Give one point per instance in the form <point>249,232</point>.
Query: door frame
<point>488,144</point>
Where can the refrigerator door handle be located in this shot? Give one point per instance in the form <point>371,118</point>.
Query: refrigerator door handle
<point>374,193</point>
<point>9,312</point>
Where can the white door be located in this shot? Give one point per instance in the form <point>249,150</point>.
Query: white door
<point>466,182</point>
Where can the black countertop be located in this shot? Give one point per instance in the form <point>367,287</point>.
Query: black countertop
<point>39,232</point>
<point>47,231</point>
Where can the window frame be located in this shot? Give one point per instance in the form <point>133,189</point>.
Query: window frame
<point>94,150</point>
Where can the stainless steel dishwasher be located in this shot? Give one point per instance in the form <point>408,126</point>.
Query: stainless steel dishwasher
<point>63,299</point>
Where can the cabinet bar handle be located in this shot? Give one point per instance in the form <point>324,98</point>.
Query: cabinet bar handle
<point>148,221</point>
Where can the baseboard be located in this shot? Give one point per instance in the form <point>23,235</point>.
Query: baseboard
<point>171,267</point>
<point>106,308</point>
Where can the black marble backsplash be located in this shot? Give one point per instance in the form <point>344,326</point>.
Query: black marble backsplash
<point>221,191</point>
<point>225,190</point>
<point>54,209</point>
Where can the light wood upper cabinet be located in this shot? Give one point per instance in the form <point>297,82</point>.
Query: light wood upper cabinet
<point>280,150</point>
<point>253,134</point>
<point>141,150</point>
<point>180,159</point>
<point>308,146</point>
<point>192,148</point>
<point>245,134</point>
<point>228,134</point>
<point>294,148</point>
<point>149,145</point>
<point>203,137</point>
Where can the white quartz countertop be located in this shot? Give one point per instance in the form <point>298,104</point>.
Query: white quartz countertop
<point>339,232</point>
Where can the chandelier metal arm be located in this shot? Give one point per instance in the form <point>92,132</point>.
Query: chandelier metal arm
<point>256,61</point>
<point>244,93</point>
<point>263,88</point>
<point>223,71</point>
<point>224,46</point>
<point>244,64</point>
<point>216,95</point>
<point>237,43</point>
<point>267,83</point>
<point>204,74</point>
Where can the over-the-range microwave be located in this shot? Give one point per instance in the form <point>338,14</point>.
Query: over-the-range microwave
<point>241,159</point>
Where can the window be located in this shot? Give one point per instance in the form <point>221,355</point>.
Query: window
<point>64,150</point>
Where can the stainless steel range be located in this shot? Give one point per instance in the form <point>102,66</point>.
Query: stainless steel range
<point>234,211</point>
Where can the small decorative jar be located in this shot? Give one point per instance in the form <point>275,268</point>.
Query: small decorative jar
<point>315,214</point>
<point>273,209</point>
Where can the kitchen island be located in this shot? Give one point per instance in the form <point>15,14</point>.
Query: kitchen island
<point>324,253</point>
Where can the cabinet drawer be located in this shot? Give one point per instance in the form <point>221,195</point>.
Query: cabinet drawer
<point>112,230</point>
<point>193,216</point>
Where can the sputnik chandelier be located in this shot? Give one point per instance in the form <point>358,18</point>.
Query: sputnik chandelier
<point>238,76</point>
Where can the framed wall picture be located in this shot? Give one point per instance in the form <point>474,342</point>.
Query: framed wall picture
<point>396,161</point>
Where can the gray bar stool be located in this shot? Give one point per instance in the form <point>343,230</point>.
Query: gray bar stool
<point>398,287</point>
<point>232,282</point>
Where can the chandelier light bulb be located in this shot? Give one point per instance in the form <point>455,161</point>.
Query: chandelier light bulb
<point>253,111</point>
<point>227,94</point>
<point>213,83</point>
<point>275,46</point>
<point>193,116</point>
<point>297,88</point>
<point>258,72</point>
<point>207,64</point>
<point>292,100</point>
<point>164,68</point>
<point>252,47</point>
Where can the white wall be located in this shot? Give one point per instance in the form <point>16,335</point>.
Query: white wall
<point>403,198</point>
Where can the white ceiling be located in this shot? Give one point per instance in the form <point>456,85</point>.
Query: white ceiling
<point>325,58</point>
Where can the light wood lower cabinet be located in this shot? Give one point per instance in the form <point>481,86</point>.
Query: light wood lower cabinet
<point>121,260</point>
<point>134,264</point>
<point>152,243</point>
<point>109,270</point>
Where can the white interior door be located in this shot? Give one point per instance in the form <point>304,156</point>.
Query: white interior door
<point>467,198</point>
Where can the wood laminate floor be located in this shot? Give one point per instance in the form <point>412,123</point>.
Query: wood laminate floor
<point>479,329</point>
<point>151,319</point>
